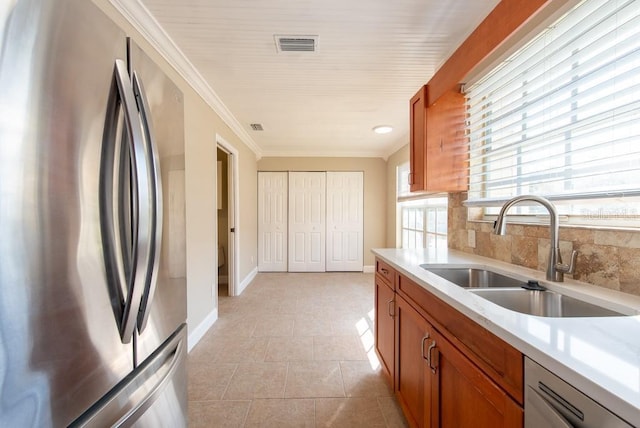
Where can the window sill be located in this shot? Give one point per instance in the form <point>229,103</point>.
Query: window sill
<point>563,224</point>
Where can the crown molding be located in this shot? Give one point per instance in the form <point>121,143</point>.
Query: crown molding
<point>142,20</point>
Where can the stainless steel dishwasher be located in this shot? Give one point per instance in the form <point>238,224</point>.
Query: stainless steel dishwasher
<point>553,403</point>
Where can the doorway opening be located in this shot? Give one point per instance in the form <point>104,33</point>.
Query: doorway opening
<point>227,218</point>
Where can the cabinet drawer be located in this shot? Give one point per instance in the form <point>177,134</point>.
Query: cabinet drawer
<point>499,360</point>
<point>387,273</point>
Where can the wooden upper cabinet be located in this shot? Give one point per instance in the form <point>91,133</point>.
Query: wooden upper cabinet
<point>437,145</point>
<point>447,144</point>
<point>418,140</point>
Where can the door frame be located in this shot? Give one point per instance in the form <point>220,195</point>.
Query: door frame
<point>233,196</point>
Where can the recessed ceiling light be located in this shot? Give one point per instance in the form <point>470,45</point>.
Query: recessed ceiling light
<point>382,129</point>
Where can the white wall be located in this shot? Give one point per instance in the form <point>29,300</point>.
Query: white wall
<point>399,157</point>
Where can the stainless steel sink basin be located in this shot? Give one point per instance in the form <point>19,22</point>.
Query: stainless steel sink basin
<point>474,277</point>
<point>545,303</point>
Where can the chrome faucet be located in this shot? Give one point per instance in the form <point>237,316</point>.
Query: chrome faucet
<point>555,269</point>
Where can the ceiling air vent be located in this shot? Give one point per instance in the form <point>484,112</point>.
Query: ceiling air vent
<point>257,127</point>
<point>291,43</point>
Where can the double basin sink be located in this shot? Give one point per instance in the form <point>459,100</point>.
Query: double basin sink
<point>527,297</point>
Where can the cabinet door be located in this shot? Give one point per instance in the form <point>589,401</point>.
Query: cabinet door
<point>463,396</point>
<point>412,331</point>
<point>385,328</point>
<point>446,152</point>
<point>418,140</point>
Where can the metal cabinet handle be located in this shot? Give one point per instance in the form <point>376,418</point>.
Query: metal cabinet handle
<point>390,304</point>
<point>422,348</point>
<point>384,271</point>
<point>433,362</point>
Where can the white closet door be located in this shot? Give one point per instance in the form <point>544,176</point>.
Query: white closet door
<point>345,223</point>
<point>307,226</point>
<point>272,221</point>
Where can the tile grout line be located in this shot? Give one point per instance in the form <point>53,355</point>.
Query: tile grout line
<point>344,389</point>
<point>246,415</point>
<point>286,379</point>
<point>229,383</point>
<point>384,416</point>
<point>315,413</point>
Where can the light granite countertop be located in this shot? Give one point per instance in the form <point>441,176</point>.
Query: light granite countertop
<point>599,356</point>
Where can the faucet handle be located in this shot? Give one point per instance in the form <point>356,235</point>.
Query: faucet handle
<point>568,268</point>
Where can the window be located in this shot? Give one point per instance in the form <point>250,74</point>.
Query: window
<point>424,223</point>
<point>423,219</point>
<point>402,175</point>
<point>561,118</point>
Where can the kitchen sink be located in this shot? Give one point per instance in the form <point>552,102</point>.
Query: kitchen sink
<point>543,303</point>
<point>474,277</point>
<point>527,297</point>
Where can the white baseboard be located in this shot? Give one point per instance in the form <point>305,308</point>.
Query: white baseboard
<point>202,328</point>
<point>368,269</point>
<point>247,280</point>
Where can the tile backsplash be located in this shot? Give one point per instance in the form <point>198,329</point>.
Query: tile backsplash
<point>607,258</point>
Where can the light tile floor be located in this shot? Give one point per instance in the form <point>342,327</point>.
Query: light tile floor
<point>294,350</point>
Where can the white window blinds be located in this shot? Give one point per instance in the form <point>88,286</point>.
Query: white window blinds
<point>561,116</point>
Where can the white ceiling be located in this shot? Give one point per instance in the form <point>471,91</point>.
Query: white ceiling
<point>372,56</point>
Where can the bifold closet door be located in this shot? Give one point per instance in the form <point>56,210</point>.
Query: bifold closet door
<point>307,227</point>
<point>272,221</point>
<point>345,223</point>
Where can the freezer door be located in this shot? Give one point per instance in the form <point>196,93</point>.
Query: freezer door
<point>60,348</point>
<point>164,306</point>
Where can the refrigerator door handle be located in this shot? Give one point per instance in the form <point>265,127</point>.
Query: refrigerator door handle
<point>153,162</point>
<point>164,365</point>
<point>128,401</point>
<point>126,270</point>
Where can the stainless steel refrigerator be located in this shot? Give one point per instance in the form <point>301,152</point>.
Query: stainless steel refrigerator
<point>92,224</point>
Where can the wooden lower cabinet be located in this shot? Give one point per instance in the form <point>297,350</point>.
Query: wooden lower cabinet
<point>438,380</point>
<point>385,328</point>
<point>461,395</point>
<point>438,386</point>
<point>412,330</point>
